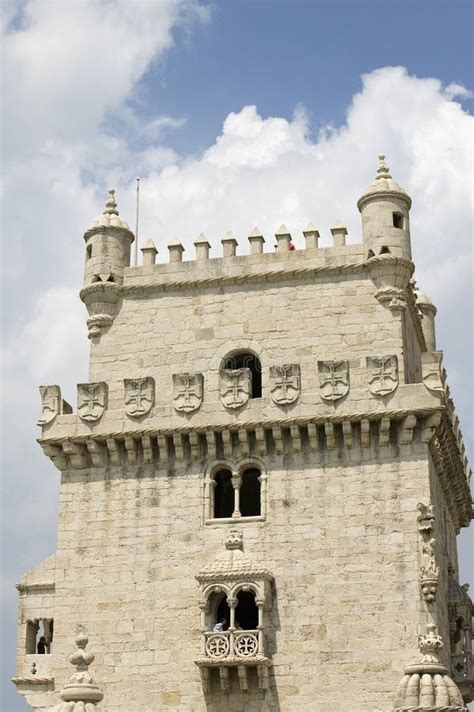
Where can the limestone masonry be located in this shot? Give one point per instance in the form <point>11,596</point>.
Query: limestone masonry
<point>261,485</point>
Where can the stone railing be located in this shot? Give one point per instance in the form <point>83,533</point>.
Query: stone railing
<point>238,644</point>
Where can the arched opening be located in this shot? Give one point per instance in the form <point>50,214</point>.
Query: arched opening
<point>457,637</point>
<point>246,612</point>
<point>89,252</point>
<point>250,493</point>
<point>223,494</point>
<point>246,359</point>
<point>219,612</point>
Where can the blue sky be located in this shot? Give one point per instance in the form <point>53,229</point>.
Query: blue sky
<point>233,114</point>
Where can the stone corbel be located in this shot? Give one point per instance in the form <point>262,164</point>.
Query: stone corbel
<point>101,300</point>
<point>392,298</point>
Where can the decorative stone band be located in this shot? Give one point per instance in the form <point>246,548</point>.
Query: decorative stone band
<point>285,436</point>
<point>426,685</point>
<point>269,275</point>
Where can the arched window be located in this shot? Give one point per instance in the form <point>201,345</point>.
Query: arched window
<point>246,359</point>
<point>223,494</point>
<point>250,493</point>
<point>246,612</point>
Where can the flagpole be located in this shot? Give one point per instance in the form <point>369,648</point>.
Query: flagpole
<point>136,221</point>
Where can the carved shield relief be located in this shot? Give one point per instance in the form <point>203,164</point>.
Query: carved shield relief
<point>91,400</point>
<point>382,374</point>
<point>50,404</point>
<point>333,379</point>
<point>187,391</point>
<point>235,387</point>
<point>139,396</point>
<point>432,371</point>
<point>285,383</point>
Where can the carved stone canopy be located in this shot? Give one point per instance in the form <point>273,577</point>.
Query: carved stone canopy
<point>232,568</point>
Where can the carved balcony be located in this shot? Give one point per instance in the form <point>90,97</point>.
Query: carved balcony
<point>234,648</point>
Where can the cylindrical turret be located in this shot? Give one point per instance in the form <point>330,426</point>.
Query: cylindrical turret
<point>428,312</point>
<point>108,243</point>
<point>385,209</point>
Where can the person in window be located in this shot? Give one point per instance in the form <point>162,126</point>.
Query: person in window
<point>219,626</point>
<point>42,648</point>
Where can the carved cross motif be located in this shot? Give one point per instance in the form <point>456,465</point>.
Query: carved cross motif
<point>187,391</point>
<point>235,387</point>
<point>383,374</point>
<point>139,395</point>
<point>333,379</point>
<point>50,404</point>
<point>285,383</point>
<point>91,400</point>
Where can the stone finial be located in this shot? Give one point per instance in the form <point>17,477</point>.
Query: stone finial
<point>311,236</point>
<point>80,688</point>
<point>383,170</point>
<point>176,250</point>
<point>427,685</point>
<point>339,232</point>
<point>430,643</point>
<point>149,252</point>
<point>283,238</point>
<point>202,246</point>
<point>111,204</point>
<point>234,540</point>
<point>109,217</point>
<point>229,245</point>
<point>256,240</point>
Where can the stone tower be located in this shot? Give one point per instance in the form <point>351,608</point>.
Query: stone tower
<point>262,484</point>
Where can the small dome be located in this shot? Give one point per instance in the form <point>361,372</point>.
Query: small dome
<point>110,217</point>
<point>232,562</point>
<point>421,298</point>
<point>383,184</point>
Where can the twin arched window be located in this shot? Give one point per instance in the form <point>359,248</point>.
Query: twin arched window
<point>237,494</point>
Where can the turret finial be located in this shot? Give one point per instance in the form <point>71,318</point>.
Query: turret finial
<point>383,170</point>
<point>81,688</point>
<point>111,204</point>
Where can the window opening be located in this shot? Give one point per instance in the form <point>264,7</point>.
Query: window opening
<point>223,494</point>
<point>246,613</point>
<point>370,254</point>
<point>89,251</point>
<point>384,250</point>
<point>222,618</point>
<point>398,220</point>
<point>250,493</point>
<point>39,637</point>
<point>246,359</point>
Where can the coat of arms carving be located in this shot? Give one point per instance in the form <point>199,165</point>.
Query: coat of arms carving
<point>187,391</point>
<point>91,400</point>
<point>50,404</point>
<point>432,371</point>
<point>235,387</point>
<point>285,383</point>
<point>333,379</point>
<point>382,374</point>
<point>139,396</point>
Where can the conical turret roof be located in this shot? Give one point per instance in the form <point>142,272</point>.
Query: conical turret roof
<point>110,217</point>
<point>383,185</point>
